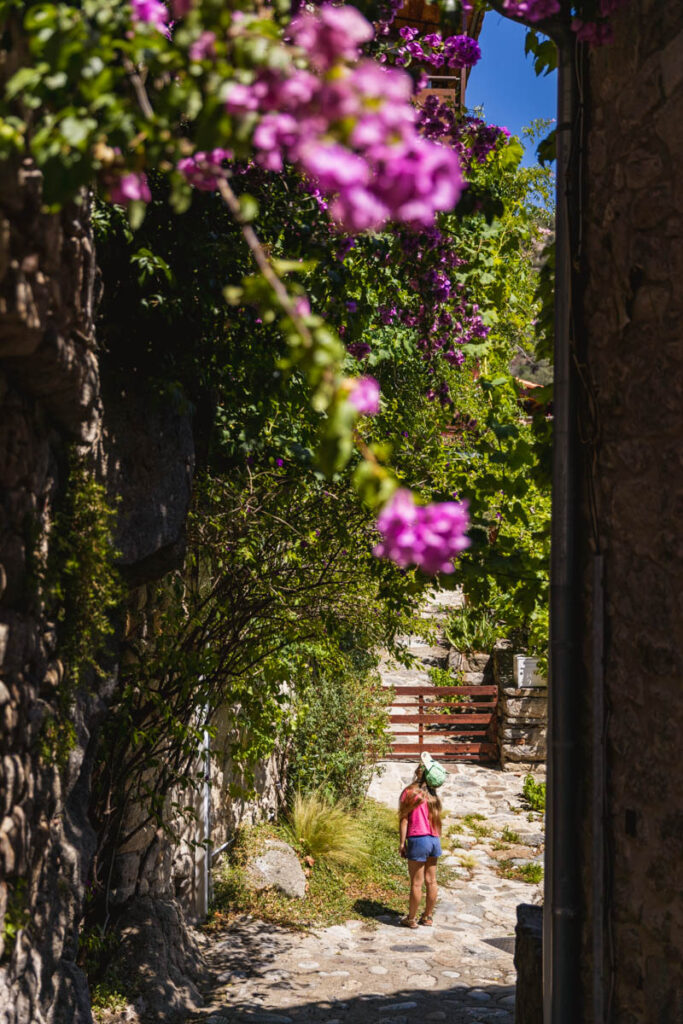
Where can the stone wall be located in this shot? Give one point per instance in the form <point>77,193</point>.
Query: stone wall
<point>522,716</point>
<point>49,398</point>
<point>632,508</point>
<point>50,404</point>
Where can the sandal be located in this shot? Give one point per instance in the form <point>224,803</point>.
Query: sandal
<point>408,922</point>
<point>426,920</point>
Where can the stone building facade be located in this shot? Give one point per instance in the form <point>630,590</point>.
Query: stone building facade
<point>50,406</point>
<point>49,398</point>
<point>630,514</point>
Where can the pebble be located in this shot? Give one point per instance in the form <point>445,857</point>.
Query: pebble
<point>390,1007</point>
<point>418,966</point>
<point>308,965</point>
<point>451,974</point>
<point>418,981</point>
<point>378,969</point>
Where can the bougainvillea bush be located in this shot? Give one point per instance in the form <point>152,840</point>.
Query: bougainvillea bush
<point>105,94</point>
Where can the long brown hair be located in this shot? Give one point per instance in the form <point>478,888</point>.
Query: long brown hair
<point>416,793</point>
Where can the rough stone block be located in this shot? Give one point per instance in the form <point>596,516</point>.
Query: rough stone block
<point>522,753</point>
<point>529,965</point>
<point>278,868</point>
<point>525,707</point>
<point>473,678</point>
<point>530,734</point>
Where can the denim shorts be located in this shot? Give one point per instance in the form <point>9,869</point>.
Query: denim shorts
<point>421,847</point>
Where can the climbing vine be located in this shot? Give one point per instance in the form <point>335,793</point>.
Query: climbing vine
<point>82,592</point>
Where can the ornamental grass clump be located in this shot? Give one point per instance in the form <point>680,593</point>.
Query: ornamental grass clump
<point>327,832</point>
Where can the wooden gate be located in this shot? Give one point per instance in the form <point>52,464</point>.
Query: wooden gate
<point>452,723</point>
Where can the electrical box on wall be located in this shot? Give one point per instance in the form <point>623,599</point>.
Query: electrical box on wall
<point>526,672</point>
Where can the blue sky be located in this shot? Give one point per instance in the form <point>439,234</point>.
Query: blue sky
<point>504,82</point>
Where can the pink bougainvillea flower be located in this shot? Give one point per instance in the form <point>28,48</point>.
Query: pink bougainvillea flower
<point>203,47</point>
<point>152,12</point>
<point>385,169</point>
<point>331,34</point>
<point>275,133</point>
<point>204,169</point>
<point>357,209</point>
<point>593,33</point>
<point>334,167</point>
<point>427,536</point>
<point>129,188</point>
<point>534,10</point>
<point>302,306</point>
<point>242,99</point>
<point>364,396</point>
<point>359,349</point>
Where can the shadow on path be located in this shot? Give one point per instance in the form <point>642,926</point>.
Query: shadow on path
<point>488,1004</point>
<point>374,910</point>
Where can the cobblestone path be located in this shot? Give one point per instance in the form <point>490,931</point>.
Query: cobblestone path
<point>460,971</point>
<point>374,971</point>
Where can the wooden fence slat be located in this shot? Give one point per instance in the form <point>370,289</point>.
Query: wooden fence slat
<point>430,691</point>
<point>465,734</point>
<point>443,748</point>
<point>441,719</point>
<point>487,757</point>
<point>487,705</point>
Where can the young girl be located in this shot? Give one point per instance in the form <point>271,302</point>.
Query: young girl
<point>419,829</point>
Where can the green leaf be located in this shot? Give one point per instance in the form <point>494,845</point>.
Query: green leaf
<point>546,151</point>
<point>249,208</point>
<point>76,130</point>
<point>136,213</point>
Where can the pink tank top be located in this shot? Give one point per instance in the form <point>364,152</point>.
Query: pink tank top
<point>418,820</point>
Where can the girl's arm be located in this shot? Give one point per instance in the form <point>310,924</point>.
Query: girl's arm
<point>402,833</point>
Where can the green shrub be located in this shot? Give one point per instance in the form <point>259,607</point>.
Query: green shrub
<point>469,630</point>
<point>340,732</point>
<point>327,832</point>
<point>442,677</point>
<point>534,793</point>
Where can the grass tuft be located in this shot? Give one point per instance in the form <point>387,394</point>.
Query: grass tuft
<point>531,873</point>
<point>327,832</point>
<point>473,822</point>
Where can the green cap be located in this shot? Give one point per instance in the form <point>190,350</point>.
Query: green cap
<point>435,773</point>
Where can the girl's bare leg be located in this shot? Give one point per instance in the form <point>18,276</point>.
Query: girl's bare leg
<point>416,869</point>
<point>430,882</point>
